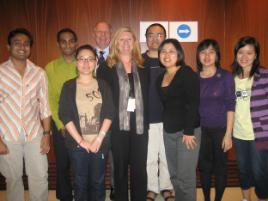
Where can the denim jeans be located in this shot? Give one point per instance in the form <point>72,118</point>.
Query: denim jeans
<point>250,167</point>
<point>88,175</point>
<point>262,177</point>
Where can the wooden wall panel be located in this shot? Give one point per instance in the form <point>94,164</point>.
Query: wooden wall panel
<point>242,18</point>
<point>246,17</point>
<point>45,17</point>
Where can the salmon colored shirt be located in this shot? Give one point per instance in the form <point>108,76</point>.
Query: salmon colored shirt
<point>23,101</point>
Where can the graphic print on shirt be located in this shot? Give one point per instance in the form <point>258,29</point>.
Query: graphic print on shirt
<point>89,106</point>
<point>243,94</point>
<point>243,128</point>
<point>90,122</point>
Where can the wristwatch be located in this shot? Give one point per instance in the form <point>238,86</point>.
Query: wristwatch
<point>47,132</point>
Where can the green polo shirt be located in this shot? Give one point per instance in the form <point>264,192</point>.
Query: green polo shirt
<point>58,72</point>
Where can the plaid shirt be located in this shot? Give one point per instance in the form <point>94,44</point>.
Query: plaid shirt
<point>23,101</point>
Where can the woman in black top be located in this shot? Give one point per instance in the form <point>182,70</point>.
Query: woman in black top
<point>178,87</point>
<point>129,137</point>
<point>86,110</point>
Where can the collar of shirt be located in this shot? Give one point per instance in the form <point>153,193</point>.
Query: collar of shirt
<point>64,61</point>
<point>106,51</point>
<point>29,66</point>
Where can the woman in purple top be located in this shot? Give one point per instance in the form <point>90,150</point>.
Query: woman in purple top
<point>217,104</point>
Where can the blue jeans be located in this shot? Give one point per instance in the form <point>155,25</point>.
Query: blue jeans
<point>89,171</point>
<point>250,167</point>
<point>262,177</point>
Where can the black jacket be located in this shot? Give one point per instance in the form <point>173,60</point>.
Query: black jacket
<point>68,108</point>
<point>181,101</point>
<point>110,75</point>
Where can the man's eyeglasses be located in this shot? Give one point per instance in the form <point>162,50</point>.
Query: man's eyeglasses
<point>155,35</point>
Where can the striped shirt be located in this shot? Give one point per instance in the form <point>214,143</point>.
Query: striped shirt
<point>259,106</point>
<point>23,101</point>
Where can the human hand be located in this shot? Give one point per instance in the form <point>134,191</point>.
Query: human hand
<point>189,141</point>
<point>45,144</point>
<point>3,148</point>
<point>63,132</point>
<point>227,143</point>
<point>96,144</point>
<point>85,145</point>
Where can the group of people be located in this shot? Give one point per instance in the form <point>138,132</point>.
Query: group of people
<point>150,115</point>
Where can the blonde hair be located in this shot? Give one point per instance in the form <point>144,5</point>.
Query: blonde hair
<point>113,57</point>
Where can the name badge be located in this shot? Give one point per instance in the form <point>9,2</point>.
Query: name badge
<point>131,106</point>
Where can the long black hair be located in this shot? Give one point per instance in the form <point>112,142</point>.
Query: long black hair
<point>242,42</point>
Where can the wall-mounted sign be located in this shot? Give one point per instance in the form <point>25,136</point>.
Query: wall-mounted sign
<point>145,24</point>
<point>184,31</point>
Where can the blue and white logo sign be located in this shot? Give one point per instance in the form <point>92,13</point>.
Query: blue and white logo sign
<point>184,31</point>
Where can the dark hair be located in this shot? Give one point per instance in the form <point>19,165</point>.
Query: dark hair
<point>177,45</point>
<point>86,47</point>
<point>17,31</point>
<point>66,30</point>
<point>204,45</point>
<point>242,42</point>
<point>156,25</point>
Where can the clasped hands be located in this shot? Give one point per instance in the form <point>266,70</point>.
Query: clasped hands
<point>92,146</point>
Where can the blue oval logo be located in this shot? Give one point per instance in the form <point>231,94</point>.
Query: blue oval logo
<point>184,31</point>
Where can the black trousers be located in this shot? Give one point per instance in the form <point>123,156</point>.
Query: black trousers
<point>130,150</point>
<point>63,164</point>
<point>212,160</point>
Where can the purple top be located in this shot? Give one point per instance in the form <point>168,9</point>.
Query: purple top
<point>217,97</point>
<point>259,107</point>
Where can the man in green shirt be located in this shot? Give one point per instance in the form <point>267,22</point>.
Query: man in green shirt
<point>59,71</point>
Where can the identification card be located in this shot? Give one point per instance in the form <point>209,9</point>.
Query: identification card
<point>131,106</point>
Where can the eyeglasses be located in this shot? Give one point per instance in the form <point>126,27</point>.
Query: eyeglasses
<point>84,60</point>
<point>150,36</point>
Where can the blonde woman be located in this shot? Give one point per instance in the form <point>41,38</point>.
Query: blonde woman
<point>129,138</point>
